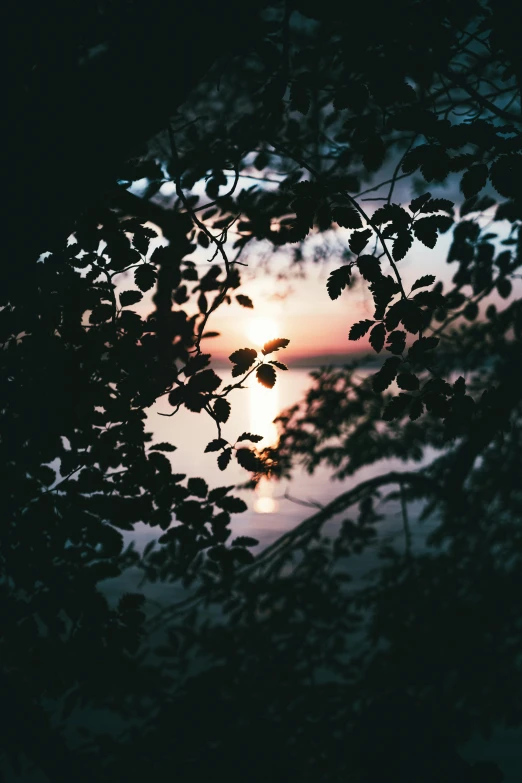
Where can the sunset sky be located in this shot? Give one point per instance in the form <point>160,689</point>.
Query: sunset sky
<point>299,307</point>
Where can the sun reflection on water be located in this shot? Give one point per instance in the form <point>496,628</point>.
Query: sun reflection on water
<point>264,407</point>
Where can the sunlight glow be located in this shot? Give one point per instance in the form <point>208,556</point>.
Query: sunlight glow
<point>265,505</point>
<point>261,329</point>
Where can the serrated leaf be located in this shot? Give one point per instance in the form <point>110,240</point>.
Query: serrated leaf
<point>249,436</point>
<point>224,458</point>
<point>218,492</point>
<point>420,346</point>
<point>391,213</point>
<point>101,313</point>
<point>506,175</point>
<point>359,329</point>
<point>196,363</point>
<point>275,345</point>
<point>369,267</point>
<point>245,541</point>
<point>418,202</point>
<point>244,301</point>
<point>243,359</point>
<point>438,205</point>
<point>401,245</point>
<point>215,445</point>
<point>358,242</point>
<point>231,504</point>
<point>163,447</point>
<point>407,381</point>
<point>222,409</point>
<point>347,217</point>
<point>426,231</point>
<point>474,179</point>
<point>266,375</point>
<point>386,375</point>
<point>396,342</point>
<point>406,312</point>
<point>423,281</point>
<point>204,381</point>
<point>416,408</point>
<point>377,336</point>
<point>279,365</point>
<point>248,459</point>
<point>197,487</point>
<point>130,298</point>
<point>145,277</point>
<point>338,280</point>
<point>397,407</point>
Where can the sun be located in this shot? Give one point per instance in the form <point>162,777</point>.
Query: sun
<point>261,329</point>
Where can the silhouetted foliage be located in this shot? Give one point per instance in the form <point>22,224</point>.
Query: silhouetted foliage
<point>284,660</point>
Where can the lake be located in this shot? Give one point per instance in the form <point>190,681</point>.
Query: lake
<point>269,513</point>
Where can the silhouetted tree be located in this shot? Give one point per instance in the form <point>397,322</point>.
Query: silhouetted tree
<point>323,114</point>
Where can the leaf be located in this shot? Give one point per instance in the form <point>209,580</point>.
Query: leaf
<point>163,447</point>
<point>130,297</point>
<point>145,277</point>
<point>419,202</point>
<point>279,365</point>
<point>423,281</point>
<point>218,492</point>
<point>222,409</point>
<point>243,359</point>
<point>369,267</point>
<point>275,345</point>
<point>202,303</point>
<point>471,311</point>
<point>426,231</point>
<point>383,290</point>
<point>397,407</point>
<point>231,504</point>
<point>224,458</point>
<point>359,329</point>
<point>438,204</point>
<point>242,556</point>
<point>377,336</point>
<point>249,436</point>
<point>435,164</point>
<point>382,379</point>
<point>413,159</point>
<point>245,541</point>
<point>506,175</point>
<point>474,179</point>
<point>358,242</point>
<point>391,213</point>
<point>347,217</point>
<point>420,346</point>
<point>248,459</point>
<point>373,152</point>
<point>396,342</point>
<point>244,301</point>
<point>203,239</point>
<point>196,363</point>
<point>338,280</point>
<point>407,381</point>
<point>216,445</point>
<point>101,313</point>
<point>197,487</point>
<point>504,287</point>
<point>399,312</point>
<point>266,375</point>
<point>416,408</point>
<point>401,245</point>
<point>204,381</point>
